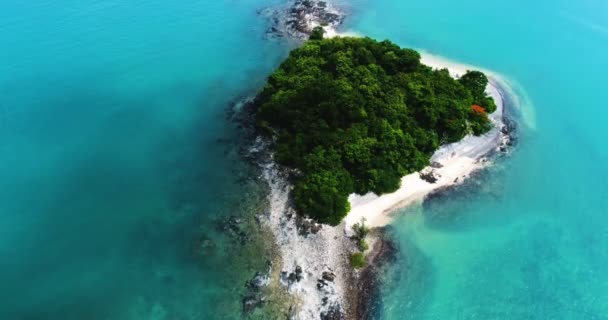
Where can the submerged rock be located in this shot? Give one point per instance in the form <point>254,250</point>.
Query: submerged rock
<point>203,247</point>
<point>235,228</point>
<point>250,303</point>
<point>259,280</point>
<point>206,244</point>
<point>254,296</point>
<point>231,224</point>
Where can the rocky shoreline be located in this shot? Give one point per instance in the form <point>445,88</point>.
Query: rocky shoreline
<point>311,260</point>
<point>365,293</point>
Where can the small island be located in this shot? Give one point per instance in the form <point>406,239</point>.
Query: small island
<point>355,115</point>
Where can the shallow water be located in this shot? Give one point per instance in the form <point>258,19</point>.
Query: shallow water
<point>112,171</point>
<point>529,240</point>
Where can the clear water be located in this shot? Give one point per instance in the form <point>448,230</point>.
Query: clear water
<point>530,241</point>
<point>111,169</point>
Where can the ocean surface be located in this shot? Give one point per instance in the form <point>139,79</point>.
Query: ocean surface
<point>117,161</point>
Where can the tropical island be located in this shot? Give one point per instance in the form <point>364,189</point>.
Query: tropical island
<point>355,115</point>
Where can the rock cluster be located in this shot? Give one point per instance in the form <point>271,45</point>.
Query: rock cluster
<point>330,308</point>
<point>328,276</point>
<point>254,297</point>
<point>293,277</point>
<point>299,18</point>
<point>307,226</point>
<point>507,131</point>
<point>429,176</point>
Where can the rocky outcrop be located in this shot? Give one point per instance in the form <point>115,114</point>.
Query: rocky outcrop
<point>254,297</point>
<point>429,176</point>
<point>293,277</point>
<point>297,19</point>
<point>508,135</point>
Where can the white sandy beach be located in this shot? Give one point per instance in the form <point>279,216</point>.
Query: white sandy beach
<point>457,160</point>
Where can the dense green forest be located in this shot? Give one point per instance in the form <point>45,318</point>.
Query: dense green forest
<point>355,115</point>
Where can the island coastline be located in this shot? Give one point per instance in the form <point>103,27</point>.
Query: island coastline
<point>312,260</point>
<point>308,252</point>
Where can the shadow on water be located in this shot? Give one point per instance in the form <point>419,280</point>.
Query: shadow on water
<point>457,208</point>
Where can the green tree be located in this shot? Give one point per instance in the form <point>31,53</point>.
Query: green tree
<point>357,260</point>
<point>323,195</point>
<point>475,81</point>
<point>355,115</point>
<point>317,33</point>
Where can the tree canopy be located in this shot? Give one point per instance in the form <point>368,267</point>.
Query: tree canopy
<point>355,115</point>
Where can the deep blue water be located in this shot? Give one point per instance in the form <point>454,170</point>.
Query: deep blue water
<point>116,161</point>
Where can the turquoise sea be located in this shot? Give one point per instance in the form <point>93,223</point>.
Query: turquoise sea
<point>117,161</point>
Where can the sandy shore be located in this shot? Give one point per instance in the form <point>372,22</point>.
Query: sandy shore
<point>453,162</point>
